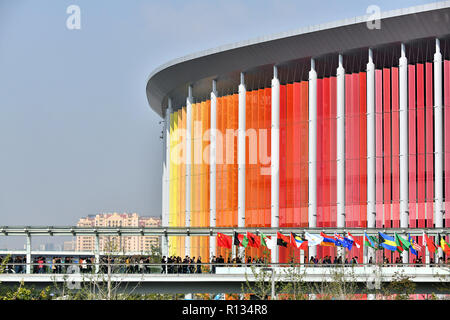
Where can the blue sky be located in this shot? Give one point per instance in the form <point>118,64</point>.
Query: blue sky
<point>77,136</point>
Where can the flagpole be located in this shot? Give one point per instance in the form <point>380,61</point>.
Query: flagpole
<point>379,245</point>
<point>302,256</point>
<point>439,251</point>
<point>340,144</point>
<point>366,260</point>
<point>403,108</point>
<point>371,162</point>
<point>427,252</point>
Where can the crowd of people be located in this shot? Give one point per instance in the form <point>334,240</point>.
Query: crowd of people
<point>176,264</point>
<point>41,264</point>
<point>328,260</point>
<point>173,264</point>
<point>127,264</point>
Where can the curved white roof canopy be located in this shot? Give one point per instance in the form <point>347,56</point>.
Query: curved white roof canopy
<point>226,62</point>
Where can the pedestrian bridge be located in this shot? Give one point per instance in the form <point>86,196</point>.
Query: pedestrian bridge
<point>232,279</point>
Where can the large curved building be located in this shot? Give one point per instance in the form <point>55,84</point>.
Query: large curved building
<point>341,125</point>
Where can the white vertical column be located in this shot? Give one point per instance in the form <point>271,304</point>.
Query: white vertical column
<point>340,147</point>
<point>275,160</point>
<point>212,168</point>
<point>166,179</point>
<point>404,164</point>
<point>97,253</point>
<point>241,157</point>
<point>438,141</point>
<point>189,102</point>
<point>427,252</point>
<point>29,261</point>
<point>371,209</point>
<point>312,155</point>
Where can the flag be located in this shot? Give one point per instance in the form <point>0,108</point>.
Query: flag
<point>313,239</point>
<point>429,243</point>
<point>267,241</point>
<point>387,242</point>
<point>263,238</point>
<point>282,240</point>
<point>414,248</point>
<point>253,240</point>
<point>343,241</point>
<point>371,241</point>
<point>402,244</point>
<point>327,241</point>
<point>416,245</point>
<point>348,243</point>
<point>271,242</point>
<point>240,240</point>
<point>356,242</point>
<point>298,242</point>
<point>223,240</point>
<point>338,240</point>
<point>444,245</point>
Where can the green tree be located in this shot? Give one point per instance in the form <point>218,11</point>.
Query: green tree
<point>401,285</point>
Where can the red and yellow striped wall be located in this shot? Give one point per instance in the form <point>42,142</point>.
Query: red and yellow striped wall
<point>226,166</point>
<point>294,158</point>
<point>200,177</point>
<point>177,179</point>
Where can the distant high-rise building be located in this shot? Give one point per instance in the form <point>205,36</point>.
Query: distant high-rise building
<point>116,243</point>
<point>69,245</point>
<point>47,247</point>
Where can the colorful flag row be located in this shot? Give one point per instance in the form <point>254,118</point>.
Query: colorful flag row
<point>250,239</point>
<point>399,244</point>
<point>294,240</point>
<point>383,241</point>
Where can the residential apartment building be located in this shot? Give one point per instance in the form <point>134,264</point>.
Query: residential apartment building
<point>141,244</point>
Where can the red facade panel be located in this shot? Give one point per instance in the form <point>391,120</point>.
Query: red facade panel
<point>259,165</point>
<point>355,144</point>
<point>420,146</point>
<point>326,152</point>
<point>362,223</point>
<point>248,186</point>
<point>379,147</point>
<point>304,151</point>
<point>283,155</point>
<point>289,156</point>
<point>387,147</point>
<point>429,141</point>
<point>348,150</point>
<point>395,151</point>
<point>447,141</point>
<point>319,152</point>
<point>296,96</point>
<point>267,125</point>
<point>412,146</point>
<point>333,162</point>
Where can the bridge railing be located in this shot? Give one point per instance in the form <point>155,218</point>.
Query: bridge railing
<point>174,268</point>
